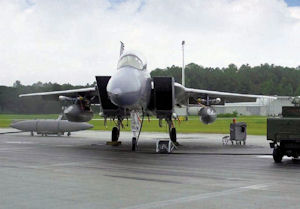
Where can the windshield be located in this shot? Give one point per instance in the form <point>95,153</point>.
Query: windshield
<point>130,60</point>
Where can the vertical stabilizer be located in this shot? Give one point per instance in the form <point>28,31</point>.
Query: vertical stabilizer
<point>122,48</point>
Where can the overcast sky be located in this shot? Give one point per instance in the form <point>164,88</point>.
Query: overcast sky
<point>71,41</point>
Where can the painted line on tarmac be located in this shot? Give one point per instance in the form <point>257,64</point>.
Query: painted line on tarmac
<point>13,149</point>
<point>144,179</point>
<point>12,132</point>
<point>18,142</point>
<point>160,204</point>
<point>218,153</point>
<point>65,145</point>
<point>54,165</point>
<point>271,157</point>
<point>264,156</point>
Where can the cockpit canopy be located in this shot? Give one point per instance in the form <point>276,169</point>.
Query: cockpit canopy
<point>132,60</point>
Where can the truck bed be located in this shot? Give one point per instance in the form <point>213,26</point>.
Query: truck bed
<point>283,129</point>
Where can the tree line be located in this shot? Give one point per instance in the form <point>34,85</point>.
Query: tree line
<point>264,79</point>
<point>11,103</point>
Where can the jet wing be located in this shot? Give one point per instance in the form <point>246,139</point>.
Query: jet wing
<point>54,95</point>
<point>182,94</point>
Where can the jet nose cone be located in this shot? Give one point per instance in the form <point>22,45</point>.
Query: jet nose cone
<point>115,91</point>
<point>124,99</point>
<point>124,88</point>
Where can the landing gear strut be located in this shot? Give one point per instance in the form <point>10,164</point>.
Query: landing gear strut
<point>136,127</point>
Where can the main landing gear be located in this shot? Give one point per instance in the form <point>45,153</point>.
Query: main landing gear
<point>167,146</point>
<point>172,132</point>
<point>115,133</point>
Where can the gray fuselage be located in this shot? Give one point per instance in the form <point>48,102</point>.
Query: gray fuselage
<point>130,86</point>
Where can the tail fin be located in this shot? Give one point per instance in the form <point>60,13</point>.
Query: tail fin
<point>122,48</point>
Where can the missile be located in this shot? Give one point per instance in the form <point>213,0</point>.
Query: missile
<point>50,126</point>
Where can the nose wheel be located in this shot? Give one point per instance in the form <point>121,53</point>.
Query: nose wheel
<point>136,127</point>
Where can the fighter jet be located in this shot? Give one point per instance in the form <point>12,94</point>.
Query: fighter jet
<point>132,93</point>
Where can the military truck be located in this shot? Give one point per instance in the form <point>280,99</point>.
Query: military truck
<point>284,133</point>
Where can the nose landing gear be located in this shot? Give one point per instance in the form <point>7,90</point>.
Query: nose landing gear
<point>134,144</point>
<point>136,127</point>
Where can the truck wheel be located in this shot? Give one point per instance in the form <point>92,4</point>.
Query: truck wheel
<point>277,155</point>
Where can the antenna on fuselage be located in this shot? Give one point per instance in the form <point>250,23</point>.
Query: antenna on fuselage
<point>122,48</point>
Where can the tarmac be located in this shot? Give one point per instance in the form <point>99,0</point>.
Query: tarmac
<point>81,171</point>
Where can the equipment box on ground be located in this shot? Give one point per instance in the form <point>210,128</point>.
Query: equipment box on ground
<point>238,132</point>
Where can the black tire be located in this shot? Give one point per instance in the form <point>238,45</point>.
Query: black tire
<point>173,136</point>
<point>277,155</point>
<point>115,134</point>
<point>133,147</point>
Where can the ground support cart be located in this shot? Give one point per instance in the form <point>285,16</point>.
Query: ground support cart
<point>238,133</point>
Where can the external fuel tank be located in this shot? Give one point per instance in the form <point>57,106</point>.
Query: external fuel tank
<point>50,126</point>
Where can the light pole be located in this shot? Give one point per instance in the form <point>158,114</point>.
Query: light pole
<point>183,81</point>
<point>182,77</point>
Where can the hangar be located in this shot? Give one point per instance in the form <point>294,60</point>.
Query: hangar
<point>262,107</point>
